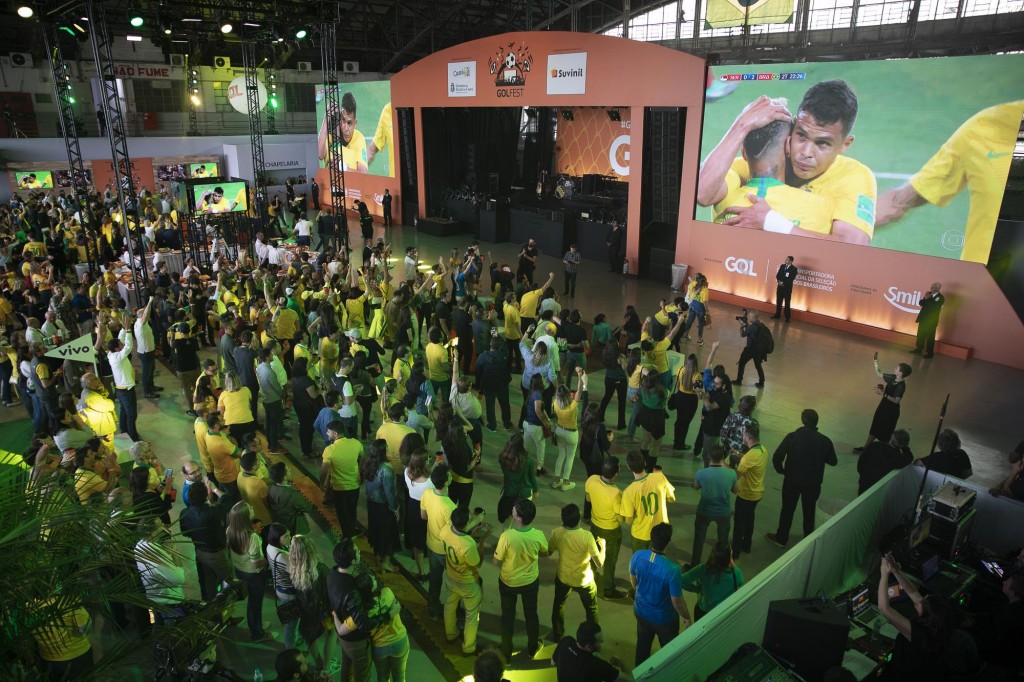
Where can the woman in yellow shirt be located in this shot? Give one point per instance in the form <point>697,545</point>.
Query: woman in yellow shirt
<point>567,435</point>
<point>697,296</point>
<point>235,406</point>
<point>684,401</point>
<point>634,372</point>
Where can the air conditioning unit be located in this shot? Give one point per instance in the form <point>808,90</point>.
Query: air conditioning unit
<point>305,66</point>
<point>178,60</point>
<point>222,62</point>
<point>350,67</point>
<point>23,60</point>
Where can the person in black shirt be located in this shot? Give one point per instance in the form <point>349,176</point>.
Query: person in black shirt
<point>576,659</point>
<point>246,358</point>
<point>577,345</point>
<point>346,602</point>
<point>717,403</point>
<point>385,203</point>
<point>204,523</point>
<point>527,262</point>
<point>950,460</point>
<point>928,320</point>
<point>878,459</point>
<point>784,279</point>
<point>185,354</point>
<point>751,331</point>
<point>493,378</point>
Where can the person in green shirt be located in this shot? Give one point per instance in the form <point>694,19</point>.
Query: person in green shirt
<point>653,397</point>
<point>518,469</point>
<point>713,580</point>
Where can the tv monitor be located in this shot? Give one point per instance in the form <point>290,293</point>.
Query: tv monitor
<point>33,179</point>
<point>220,197</point>
<point>920,532</point>
<point>207,169</point>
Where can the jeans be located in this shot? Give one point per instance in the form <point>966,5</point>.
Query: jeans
<point>567,443</point>
<point>127,401</point>
<point>743,526</point>
<point>573,359</point>
<point>437,574</point>
<point>148,362</point>
<point>187,381</point>
<point>692,315</point>
<point>686,408</point>
<point>346,504</point>
<point>257,585</point>
<point>570,284</point>
<point>808,497</point>
<point>617,387</point>
<point>700,531</point>
<point>390,661</point>
<point>355,660</point>
<point>506,409</point>
<point>40,415</point>
<point>274,422</point>
<point>634,410</point>
<point>746,356</point>
<point>471,595</point>
<point>588,596</point>
<point>509,595</point>
<point>612,543</point>
<point>645,632</point>
<point>533,439</point>
<point>289,628</point>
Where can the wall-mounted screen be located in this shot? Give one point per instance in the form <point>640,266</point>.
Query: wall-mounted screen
<point>896,154</point>
<point>361,129</point>
<point>33,179</point>
<point>207,169</point>
<point>220,197</point>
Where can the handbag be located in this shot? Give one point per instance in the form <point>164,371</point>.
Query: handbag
<point>707,319</point>
<point>289,612</point>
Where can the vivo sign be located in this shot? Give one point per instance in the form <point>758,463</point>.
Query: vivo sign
<point>740,266</point>
<point>907,301</point>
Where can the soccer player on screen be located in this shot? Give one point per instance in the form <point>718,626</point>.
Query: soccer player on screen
<point>341,125</point>
<point>199,172</point>
<point>764,150</point>
<point>976,156</point>
<point>214,202</point>
<point>815,148</point>
<point>382,139</point>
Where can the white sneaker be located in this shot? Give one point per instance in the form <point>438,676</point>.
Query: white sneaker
<point>568,485</point>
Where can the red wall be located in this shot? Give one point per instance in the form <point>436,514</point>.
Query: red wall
<point>142,174</point>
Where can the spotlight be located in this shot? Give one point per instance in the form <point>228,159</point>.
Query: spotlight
<point>25,11</point>
<point>165,25</point>
<point>614,115</point>
<point>273,101</point>
<point>135,17</point>
<point>225,26</point>
<point>194,98</point>
<point>71,99</point>
<point>301,33</point>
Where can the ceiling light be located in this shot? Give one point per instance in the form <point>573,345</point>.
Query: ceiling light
<point>165,25</point>
<point>135,18</point>
<point>133,39</point>
<point>25,11</point>
<point>225,26</point>
<point>301,33</point>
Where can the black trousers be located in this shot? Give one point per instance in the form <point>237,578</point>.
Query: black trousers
<point>926,337</point>
<point>346,505</point>
<point>615,387</point>
<point>746,356</point>
<point>743,526</point>
<point>808,496</point>
<point>614,261</point>
<point>570,283</point>
<point>685,409</point>
<point>509,597</point>
<point>783,297</point>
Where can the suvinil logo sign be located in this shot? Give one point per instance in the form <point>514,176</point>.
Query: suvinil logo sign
<point>567,73</point>
<point>741,266</point>
<point>462,79</point>
<point>907,301</point>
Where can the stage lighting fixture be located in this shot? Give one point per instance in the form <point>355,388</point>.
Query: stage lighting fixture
<point>567,115</point>
<point>273,101</point>
<point>135,17</point>
<point>25,11</point>
<point>165,25</point>
<point>71,99</point>
<point>225,26</point>
<point>614,115</point>
<point>194,98</point>
<point>301,33</point>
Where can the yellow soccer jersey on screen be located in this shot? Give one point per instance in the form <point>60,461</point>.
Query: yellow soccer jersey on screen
<point>977,155</point>
<point>354,153</point>
<point>383,136</point>
<point>811,212</point>
<point>200,173</point>
<point>222,206</point>
<point>848,184</point>
<point>242,200</point>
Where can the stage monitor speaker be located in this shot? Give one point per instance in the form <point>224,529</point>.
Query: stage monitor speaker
<point>809,633</point>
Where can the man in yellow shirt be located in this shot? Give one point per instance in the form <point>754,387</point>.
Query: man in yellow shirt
<point>645,500</point>
<point>749,488</point>
<point>439,367</point>
<point>462,578</point>
<point>816,147</point>
<point>655,344</point>
<point>517,552</point>
<point>214,201</point>
<point>339,474</point>
<point>436,509</point>
<point>253,489</point>
<point>576,548</point>
<point>394,431</point>
<point>200,429</point>
<point>605,501</point>
<point>383,138</point>
<point>976,156</point>
<point>513,332</point>
<point>529,301</point>
<point>224,455</point>
<point>341,124</point>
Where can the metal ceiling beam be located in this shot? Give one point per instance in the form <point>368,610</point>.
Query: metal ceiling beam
<point>451,10</point>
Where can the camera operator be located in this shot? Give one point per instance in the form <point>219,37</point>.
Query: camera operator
<point>750,329</point>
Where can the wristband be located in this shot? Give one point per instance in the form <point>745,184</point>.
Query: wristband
<point>776,222</point>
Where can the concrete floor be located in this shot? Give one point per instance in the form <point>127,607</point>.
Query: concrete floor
<point>811,367</point>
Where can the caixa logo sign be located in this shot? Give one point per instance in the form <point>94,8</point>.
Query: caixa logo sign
<point>907,301</point>
<point>741,266</point>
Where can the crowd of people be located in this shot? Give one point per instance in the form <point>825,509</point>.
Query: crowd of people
<point>389,372</point>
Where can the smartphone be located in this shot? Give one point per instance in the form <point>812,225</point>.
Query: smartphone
<point>168,473</point>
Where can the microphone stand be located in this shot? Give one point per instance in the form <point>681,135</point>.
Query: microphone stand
<point>920,492</point>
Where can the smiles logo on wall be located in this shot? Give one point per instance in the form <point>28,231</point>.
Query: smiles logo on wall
<point>509,66</point>
<point>907,301</point>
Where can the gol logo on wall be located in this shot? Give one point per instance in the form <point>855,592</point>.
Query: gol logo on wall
<point>593,144</point>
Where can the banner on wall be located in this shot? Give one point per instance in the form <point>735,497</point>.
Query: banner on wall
<point>729,13</point>
<point>592,143</point>
<point>567,74</point>
<point>361,130</point>
<point>462,79</point>
<point>910,160</point>
<point>142,174</point>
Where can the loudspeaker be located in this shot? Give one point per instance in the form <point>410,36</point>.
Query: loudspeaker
<point>809,633</point>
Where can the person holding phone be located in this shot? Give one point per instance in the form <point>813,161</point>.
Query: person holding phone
<point>888,411</point>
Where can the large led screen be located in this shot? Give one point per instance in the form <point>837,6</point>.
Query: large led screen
<point>220,197</point>
<point>909,155</point>
<point>360,129</point>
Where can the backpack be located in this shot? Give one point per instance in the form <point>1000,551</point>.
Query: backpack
<point>765,344</point>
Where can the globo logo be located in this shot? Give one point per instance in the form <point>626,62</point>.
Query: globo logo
<point>741,266</point>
